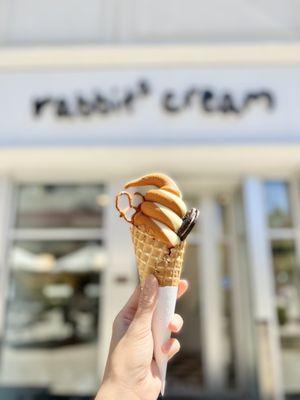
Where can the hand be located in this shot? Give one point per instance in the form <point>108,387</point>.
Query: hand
<point>131,373</point>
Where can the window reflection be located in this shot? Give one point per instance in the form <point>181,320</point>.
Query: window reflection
<point>278,204</point>
<point>286,274</point>
<point>49,206</point>
<point>53,306</point>
<point>57,256</point>
<point>284,260</point>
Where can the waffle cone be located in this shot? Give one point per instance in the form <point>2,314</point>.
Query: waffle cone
<point>154,257</point>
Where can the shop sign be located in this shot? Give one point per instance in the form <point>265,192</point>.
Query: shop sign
<point>149,106</point>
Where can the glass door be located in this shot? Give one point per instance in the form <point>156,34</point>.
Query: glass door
<point>282,207</point>
<point>56,263</point>
<point>210,340</point>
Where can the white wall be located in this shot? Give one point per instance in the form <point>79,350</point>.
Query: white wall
<point>216,20</point>
<point>76,21</point>
<point>52,21</point>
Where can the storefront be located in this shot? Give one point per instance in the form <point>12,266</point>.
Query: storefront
<point>230,135</point>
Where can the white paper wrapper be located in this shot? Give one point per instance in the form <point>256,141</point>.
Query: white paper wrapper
<point>162,316</point>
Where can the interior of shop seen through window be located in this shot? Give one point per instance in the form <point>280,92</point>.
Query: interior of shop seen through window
<point>56,260</point>
<point>282,203</point>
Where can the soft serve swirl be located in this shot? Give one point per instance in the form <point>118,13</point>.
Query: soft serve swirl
<point>162,208</point>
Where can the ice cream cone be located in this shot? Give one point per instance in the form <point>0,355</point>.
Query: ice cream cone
<point>154,257</point>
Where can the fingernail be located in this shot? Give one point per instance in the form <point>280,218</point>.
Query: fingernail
<point>165,347</point>
<point>172,327</point>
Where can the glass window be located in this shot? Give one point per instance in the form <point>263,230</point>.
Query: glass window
<point>185,370</point>
<point>286,273</point>
<point>278,204</point>
<point>60,206</point>
<point>284,260</point>
<point>52,316</point>
<point>54,293</point>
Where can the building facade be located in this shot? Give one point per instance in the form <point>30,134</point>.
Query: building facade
<point>93,97</point>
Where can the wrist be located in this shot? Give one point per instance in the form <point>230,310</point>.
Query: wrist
<point>111,390</point>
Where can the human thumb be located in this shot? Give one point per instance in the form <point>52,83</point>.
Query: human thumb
<point>146,305</point>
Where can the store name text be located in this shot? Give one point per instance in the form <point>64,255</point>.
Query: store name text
<point>207,100</point>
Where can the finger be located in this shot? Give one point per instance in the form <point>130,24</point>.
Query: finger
<point>182,288</point>
<point>133,300</point>
<point>146,304</point>
<point>176,323</point>
<point>171,347</point>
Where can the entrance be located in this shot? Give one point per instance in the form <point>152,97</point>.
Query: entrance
<point>216,342</point>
